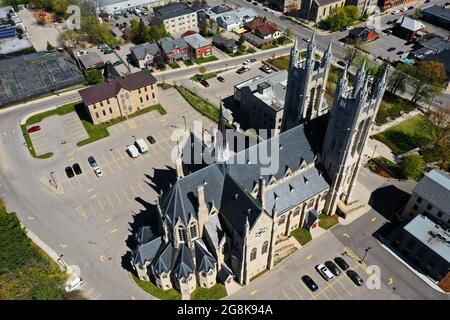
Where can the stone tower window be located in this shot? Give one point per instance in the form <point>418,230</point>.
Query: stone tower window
<point>181,234</point>
<point>253,254</point>
<point>265,247</point>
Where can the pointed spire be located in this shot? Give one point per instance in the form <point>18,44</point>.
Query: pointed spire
<point>327,55</point>
<point>311,48</point>
<point>221,125</point>
<point>359,78</point>
<point>294,54</point>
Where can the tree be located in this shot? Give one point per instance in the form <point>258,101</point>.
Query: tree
<point>352,13</point>
<point>94,76</point>
<point>413,166</point>
<point>97,32</point>
<point>341,17</point>
<point>417,14</point>
<point>60,6</point>
<point>289,32</point>
<point>69,38</point>
<point>202,69</point>
<point>437,124</point>
<point>203,28</point>
<point>429,77</point>
<point>397,81</point>
<point>141,32</point>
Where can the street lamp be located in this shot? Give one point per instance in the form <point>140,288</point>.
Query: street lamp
<point>365,253</point>
<point>61,261</point>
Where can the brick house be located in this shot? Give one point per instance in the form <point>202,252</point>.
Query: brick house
<point>409,29</point>
<point>199,47</point>
<point>174,49</point>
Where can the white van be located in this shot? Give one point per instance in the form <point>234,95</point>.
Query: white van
<point>324,272</point>
<point>137,12</point>
<point>133,151</point>
<point>141,145</point>
<point>73,284</point>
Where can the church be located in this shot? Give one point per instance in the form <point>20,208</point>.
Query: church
<point>220,223</point>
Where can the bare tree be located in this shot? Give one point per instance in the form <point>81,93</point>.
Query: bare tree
<point>437,123</point>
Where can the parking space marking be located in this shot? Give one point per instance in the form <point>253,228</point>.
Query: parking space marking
<point>275,297</point>
<point>101,204</point>
<point>142,188</point>
<point>3,159</point>
<point>307,290</point>
<point>115,161</point>
<point>309,257</point>
<point>390,281</point>
<point>93,196</point>
<point>322,292</point>
<point>110,202</point>
<point>79,182</point>
<point>70,184</point>
<point>296,292</point>
<point>63,245</point>
<point>123,159</point>
<point>286,295</point>
<point>90,190</point>
<point>81,212</point>
<point>133,190</point>
<point>346,235</point>
<point>107,163</point>
<point>113,230</point>
<point>108,220</point>
<point>345,288</point>
<point>338,295</point>
<point>373,219</point>
<point>126,195</point>
<point>92,209</point>
<point>117,197</point>
<point>87,179</point>
<point>30,218</point>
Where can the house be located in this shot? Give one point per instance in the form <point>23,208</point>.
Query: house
<point>177,17</point>
<point>432,46</point>
<point>387,4</point>
<point>199,47</point>
<point>89,61</point>
<point>225,44</point>
<point>285,6</point>
<point>263,33</point>
<point>143,55</point>
<point>174,49</point>
<point>364,6</point>
<point>437,15</point>
<point>409,29</point>
<point>317,10</point>
<point>120,97</point>
<point>363,34</point>
<point>235,19</point>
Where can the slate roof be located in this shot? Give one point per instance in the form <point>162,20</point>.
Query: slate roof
<point>110,73</point>
<point>222,41</point>
<point>437,11</point>
<point>203,259</point>
<point>196,41</point>
<point>184,265</point>
<point>140,51</point>
<point>107,90</point>
<point>435,188</point>
<point>224,273</point>
<point>144,235</point>
<point>146,252</point>
<point>172,10</point>
<point>436,44</point>
<point>214,230</point>
<point>91,60</point>
<point>299,189</point>
<point>162,263</point>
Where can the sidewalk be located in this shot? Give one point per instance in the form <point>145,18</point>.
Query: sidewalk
<point>376,129</point>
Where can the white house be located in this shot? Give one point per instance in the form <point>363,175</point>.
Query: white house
<point>235,19</point>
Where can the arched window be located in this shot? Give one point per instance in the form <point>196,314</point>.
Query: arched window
<point>296,211</point>
<point>282,220</point>
<point>265,247</point>
<point>164,276</point>
<point>181,234</point>
<point>253,254</point>
<point>193,230</point>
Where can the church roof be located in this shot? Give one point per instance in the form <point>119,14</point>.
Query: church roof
<point>214,230</point>
<point>184,265</point>
<point>203,259</point>
<point>146,252</point>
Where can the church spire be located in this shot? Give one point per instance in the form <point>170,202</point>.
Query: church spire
<point>294,54</point>
<point>327,55</point>
<point>359,78</point>
<point>342,84</point>
<point>311,47</point>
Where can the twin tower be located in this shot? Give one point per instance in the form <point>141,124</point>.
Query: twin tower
<point>350,120</point>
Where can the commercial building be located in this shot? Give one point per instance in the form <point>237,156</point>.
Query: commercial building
<point>235,19</point>
<point>317,10</point>
<point>120,97</point>
<point>118,7</point>
<point>199,47</point>
<point>408,28</point>
<point>177,18</point>
<point>430,197</point>
<point>13,35</point>
<point>437,15</point>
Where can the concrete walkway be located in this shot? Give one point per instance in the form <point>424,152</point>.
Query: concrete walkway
<point>376,129</point>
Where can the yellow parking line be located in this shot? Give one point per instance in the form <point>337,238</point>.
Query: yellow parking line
<point>70,184</point>
<point>116,162</point>
<point>113,230</point>
<point>3,159</point>
<point>309,257</point>
<point>107,163</point>
<point>133,298</point>
<point>63,245</point>
<point>126,195</point>
<point>118,199</point>
<point>390,281</point>
<point>296,292</point>
<point>108,220</point>
<point>122,158</point>
<point>322,292</point>
<point>92,208</point>
<point>90,190</point>
<point>93,196</point>
<point>275,297</point>
<point>30,218</point>
<point>307,289</point>
<point>134,191</point>
<point>346,235</point>
<point>142,188</point>
<point>253,292</point>
<point>71,159</point>
<point>345,288</point>
<point>70,154</point>
<point>79,182</point>
<point>110,202</point>
<point>81,212</point>
<point>101,205</point>
<point>285,294</point>
<point>373,219</point>
<point>102,258</point>
<point>337,293</point>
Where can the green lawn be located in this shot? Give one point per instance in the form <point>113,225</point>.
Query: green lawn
<point>407,135</point>
<point>303,236</point>
<point>205,76</point>
<point>269,46</point>
<point>174,65</point>
<point>391,106</point>
<point>205,59</point>
<point>204,107</point>
<point>216,292</point>
<point>151,288</point>
<point>281,63</point>
<point>97,132</point>
<point>326,221</point>
<point>188,63</point>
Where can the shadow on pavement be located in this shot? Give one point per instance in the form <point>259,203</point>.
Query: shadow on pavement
<point>388,201</point>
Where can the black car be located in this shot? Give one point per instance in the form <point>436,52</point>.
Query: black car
<point>76,167</point>
<point>391,49</point>
<point>69,172</point>
<point>341,263</point>
<point>252,60</point>
<point>400,53</point>
<point>341,63</point>
<point>221,79</point>
<point>333,268</point>
<point>310,283</point>
<point>242,70</point>
<point>118,62</point>
<point>92,161</point>
<point>151,139</point>
<point>355,278</point>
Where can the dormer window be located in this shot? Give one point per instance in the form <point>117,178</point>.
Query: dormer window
<point>181,234</point>
<point>193,230</point>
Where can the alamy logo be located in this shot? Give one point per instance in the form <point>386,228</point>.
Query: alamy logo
<point>374,20</point>
<point>210,147</point>
<point>73,22</point>
<point>374,280</point>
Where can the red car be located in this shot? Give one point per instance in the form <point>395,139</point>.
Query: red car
<point>117,48</point>
<point>34,129</point>
<point>205,83</point>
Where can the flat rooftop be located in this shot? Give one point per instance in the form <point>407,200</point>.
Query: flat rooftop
<point>431,235</point>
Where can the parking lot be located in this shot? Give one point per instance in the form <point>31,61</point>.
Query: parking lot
<point>127,186</point>
<point>379,47</point>
<point>285,283</point>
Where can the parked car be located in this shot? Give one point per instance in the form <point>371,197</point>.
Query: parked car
<point>69,172</point>
<point>391,49</point>
<point>310,283</point>
<point>141,145</point>
<point>151,139</point>
<point>333,268</point>
<point>125,15</point>
<point>341,63</point>
<point>246,62</point>
<point>74,284</point>
<point>34,129</point>
<point>404,9</point>
<point>306,39</point>
<point>255,3</point>
<point>116,17</point>
<point>118,62</point>
<point>266,69</point>
<point>108,51</point>
<point>355,277</point>
<point>242,70</point>
<point>395,11</point>
<point>411,7</point>
<point>204,83</point>
<point>221,79</point>
<point>400,52</point>
<point>324,272</point>
<point>341,263</point>
<point>92,161</point>
<point>98,172</point>
<point>253,60</point>
<point>133,151</point>
<point>76,167</point>
<point>117,47</point>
